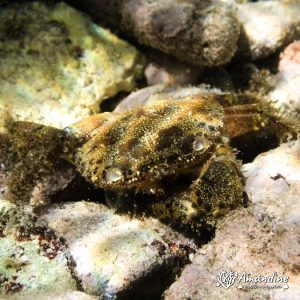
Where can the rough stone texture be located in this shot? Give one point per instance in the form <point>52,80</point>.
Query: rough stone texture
<point>273,179</point>
<point>161,92</point>
<point>73,295</point>
<point>273,185</point>
<point>139,97</point>
<point>52,184</point>
<point>286,91</point>
<point>258,240</point>
<point>24,271</point>
<point>242,244</point>
<point>117,256</point>
<point>202,33</point>
<point>14,220</point>
<point>57,66</point>
<point>31,261</point>
<point>266,27</point>
<point>162,70</point>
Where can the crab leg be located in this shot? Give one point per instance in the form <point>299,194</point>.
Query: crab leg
<point>241,119</point>
<point>90,126</point>
<point>217,190</point>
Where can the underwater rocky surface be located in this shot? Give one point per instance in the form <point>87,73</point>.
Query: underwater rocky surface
<point>32,260</point>
<point>258,240</point>
<point>115,256</point>
<point>57,66</point>
<point>65,239</point>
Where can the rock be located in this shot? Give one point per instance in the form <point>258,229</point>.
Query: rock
<point>286,91</point>
<point>274,188</point>
<point>32,261</point>
<point>163,70</point>
<point>156,73</point>
<point>57,66</point>
<point>266,27</point>
<point>51,184</point>
<point>273,182</point>
<point>161,92</point>
<point>201,33</point>
<point>139,97</point>
<point>259,240</point>
<point>242,244</point>
<point>73,295</point>
<point>115,256</point>
<point>14,221</point>
<point>25,271</point>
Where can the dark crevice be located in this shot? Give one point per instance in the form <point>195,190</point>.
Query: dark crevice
<point>154,284</point>
<point>252,144</point>
<point>79,189</point>
<point>72,265</point>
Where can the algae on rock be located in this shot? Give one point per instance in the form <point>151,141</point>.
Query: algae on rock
<point>57,66</point>
<point>32,260</point>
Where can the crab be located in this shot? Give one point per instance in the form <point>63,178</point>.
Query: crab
<point>172,153</point>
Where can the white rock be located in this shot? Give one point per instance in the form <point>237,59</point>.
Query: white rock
<point>273,182</point>
<point>286,92</point>
<point>267,26</point>
<point>113,253</point>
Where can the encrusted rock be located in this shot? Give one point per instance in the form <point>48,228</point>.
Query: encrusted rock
<point>266,27</point>
<point>116,256</point>
<point>259,240</point>
<point>202,33</point>
<point>273,182</point>
<point>242,244</point>
<point>73,295</point>
<point>32,260</point>
<point>25,271</point>
<point>57,66</point>
<point>139,97</point>
<point>163,70</point>
<point>160,92</point>
<point>287,82</point>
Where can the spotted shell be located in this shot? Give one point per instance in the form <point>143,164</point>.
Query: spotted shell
<point>136,149</point>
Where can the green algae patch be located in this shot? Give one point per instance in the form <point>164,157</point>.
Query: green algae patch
<point>57,66</point>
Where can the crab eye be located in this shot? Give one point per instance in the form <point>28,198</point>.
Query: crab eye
<point>113,174</point>
<point>199,144</point>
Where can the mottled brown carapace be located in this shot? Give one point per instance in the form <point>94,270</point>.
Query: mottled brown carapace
<point>173,148</point>
<point>146,149</point>
<point>151,142</point>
